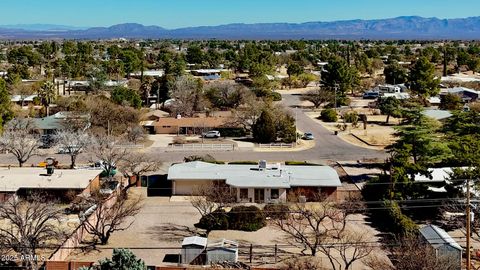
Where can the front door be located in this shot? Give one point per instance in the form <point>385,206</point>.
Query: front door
<point>259,195</point>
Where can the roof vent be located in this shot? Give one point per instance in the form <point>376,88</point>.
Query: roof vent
<point>262,165</point>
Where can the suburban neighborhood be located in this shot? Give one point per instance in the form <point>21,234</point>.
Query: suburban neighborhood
<point>342,145</point>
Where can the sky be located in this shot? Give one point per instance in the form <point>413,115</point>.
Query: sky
<point>183,13</point>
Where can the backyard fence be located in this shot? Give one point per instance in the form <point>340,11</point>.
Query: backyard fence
<point>201,147</point>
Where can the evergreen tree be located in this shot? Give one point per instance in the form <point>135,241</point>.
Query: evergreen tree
<point>122,95</point>
<point>423,80</point>
<point>264,130</point>
<point>6,113</point>
<point>394,73</point>
<point>391,107</point>
<point>122,259</point>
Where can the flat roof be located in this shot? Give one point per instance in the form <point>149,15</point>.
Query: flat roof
<point>245,176</point>
<point>14,179</point>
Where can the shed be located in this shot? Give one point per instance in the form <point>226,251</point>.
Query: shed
<point>192,248</point>
<point>222,251</point>
<point>442,243</point>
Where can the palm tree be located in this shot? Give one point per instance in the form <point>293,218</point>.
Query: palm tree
<point>47,94</point>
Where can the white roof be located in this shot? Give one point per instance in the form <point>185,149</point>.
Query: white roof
<point>460,78</point>
<point>437,114</point>
<point>455,90</point>
<point>151,73</point>
<point>14,179</point>
<point>397,95</point>
<point>438,175</point>
<point>194,240</point>
<point>223,244</point>
<point>18,98</point>
<point>437,237</point>
<point>249,176</point>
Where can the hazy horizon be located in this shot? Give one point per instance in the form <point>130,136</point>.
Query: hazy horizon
<point>191,13</point>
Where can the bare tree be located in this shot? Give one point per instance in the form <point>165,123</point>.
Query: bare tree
<point>109,152</point>
<point>224,94</point>
<point>318,97</point>
<point>412,254</point>
<point>213,198</point>
<point>28,226</point>
<point>111,217</point>
<point>134,165</point>
<point>246,115</point>
<point>322,227</point>
<point>135,134</point>
<point>187,96</point>
<point>18,139</point>
<point>347,247</point>
<point>302,263</point>
<point>310,224</point>
<point>72,143</point>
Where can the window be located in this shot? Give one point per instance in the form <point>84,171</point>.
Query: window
<point>243,194</point>
<point>166,126</point>
<point>274,193</point>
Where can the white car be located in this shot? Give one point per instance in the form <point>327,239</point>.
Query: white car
<point>212,134</point>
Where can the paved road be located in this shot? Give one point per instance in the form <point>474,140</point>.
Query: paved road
<point>327,146</point>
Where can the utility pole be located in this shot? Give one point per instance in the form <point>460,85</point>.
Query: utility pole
<point>468,225</point>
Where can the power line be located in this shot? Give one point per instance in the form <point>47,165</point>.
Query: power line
<point>325,244</point>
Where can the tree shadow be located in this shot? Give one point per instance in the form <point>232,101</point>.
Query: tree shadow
<point>173,232</point>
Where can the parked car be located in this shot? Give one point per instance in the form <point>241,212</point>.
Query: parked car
<point>308,136</point>
<point>212,134</point>
<point>371,95</point>
<point>66,150</point>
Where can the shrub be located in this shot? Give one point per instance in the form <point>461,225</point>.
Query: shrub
<point>275,96</point>
<point>301,163</point>
<point>217,220</point>
<point>232,132</point>
<point>245,162</point>
<point>246,218</point>
<point>329,115</point>
<point>276,211</point>
<point>206,158</point>
<point>351,117</point>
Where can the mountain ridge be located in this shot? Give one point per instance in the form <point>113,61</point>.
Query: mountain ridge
<point>403,27</point>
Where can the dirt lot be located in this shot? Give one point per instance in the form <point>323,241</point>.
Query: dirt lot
<point>162,224</point>
<point>375,136</point>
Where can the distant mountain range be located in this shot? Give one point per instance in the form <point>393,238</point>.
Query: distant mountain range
<point>406,27</point>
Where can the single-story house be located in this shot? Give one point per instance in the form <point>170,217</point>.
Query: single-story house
<point>188,125</point>
<point>50,124</point>
<point>261,183</point>
<point>466,94</point>
<point>23,100</point>
<point>149,73</point>
<point>22,181</point>
<point>442,244</point>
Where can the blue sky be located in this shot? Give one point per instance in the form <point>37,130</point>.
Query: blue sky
<point>181,13</point>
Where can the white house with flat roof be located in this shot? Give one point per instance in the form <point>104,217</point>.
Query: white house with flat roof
<point>14,181</point>
<point>261,183</point>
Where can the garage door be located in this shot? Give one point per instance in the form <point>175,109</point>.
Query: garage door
<point>188,187</point>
